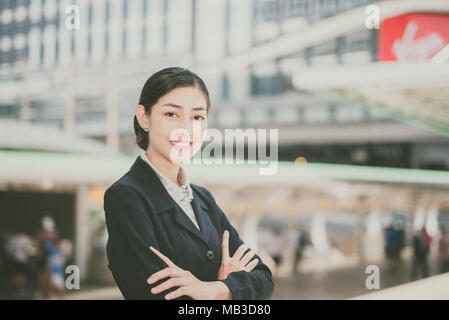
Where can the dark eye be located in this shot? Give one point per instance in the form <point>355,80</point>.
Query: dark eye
<point>170,114</point>
<point>198,117</point>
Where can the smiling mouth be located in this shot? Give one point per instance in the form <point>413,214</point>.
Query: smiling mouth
<point>181,145</point>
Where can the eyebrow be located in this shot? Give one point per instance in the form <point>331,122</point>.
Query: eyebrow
<point>181,107</point>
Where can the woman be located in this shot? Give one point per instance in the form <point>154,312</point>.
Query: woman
<point>168,239</point>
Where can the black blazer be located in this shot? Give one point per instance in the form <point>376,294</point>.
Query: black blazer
<point>140,213</point>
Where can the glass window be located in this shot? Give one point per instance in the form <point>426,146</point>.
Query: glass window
<point>34,45</point>
<point>20,14</point>
<point>19,41</point>
<point>49,40</point>
<point>296,8</point>
<point>35,11</point>
<point>134,29</point>
<point>6,16</point>
<point>240,26</point>
<point>98,30</point>
<point>266,10</point>
<point>229,118</point>
<point>317,114</point>
<point>286,115</point>
<point>349,114</point>
<point>211,30</point>
<point>257,116</point>
<point>179,19</point>
<point>154,27</point>
<point>50,9</point>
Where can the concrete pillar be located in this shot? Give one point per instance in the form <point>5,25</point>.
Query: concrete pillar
<point>249,231</point>
<point>318,232</point>
<point>112,100</point>
<point>360,233</point>
<point>25,105</point>
<point>81,230</point>
<point>69,96</point>
<point>414,208</point>
<point>289,249</point>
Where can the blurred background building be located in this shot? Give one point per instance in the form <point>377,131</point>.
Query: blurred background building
<point>365,110</point>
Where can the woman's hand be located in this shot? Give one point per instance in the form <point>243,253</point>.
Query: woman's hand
<point>188,284</point>
<point>237,262</point>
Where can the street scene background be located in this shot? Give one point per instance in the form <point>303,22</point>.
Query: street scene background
<point>356,89</point>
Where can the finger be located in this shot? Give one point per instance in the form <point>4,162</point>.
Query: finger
<point>240,251</point>
<point>225,245</point>
<point>176,294</point>
<point>164,258</point>
<point>247,257</point>
<point>164,273</point>
<point>172,282</point>
<point>250,266</point>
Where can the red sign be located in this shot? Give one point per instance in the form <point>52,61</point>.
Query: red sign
<point>412,36</point>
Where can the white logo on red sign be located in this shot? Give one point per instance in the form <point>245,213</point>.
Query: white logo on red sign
<point>408,48</point>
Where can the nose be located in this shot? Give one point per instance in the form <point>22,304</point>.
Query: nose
<point>183,130</point>
<point>189,126</point>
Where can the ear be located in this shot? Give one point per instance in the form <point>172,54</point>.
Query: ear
<point>142,117</point>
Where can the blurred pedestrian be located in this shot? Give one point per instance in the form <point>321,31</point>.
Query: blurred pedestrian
<point>47,238</point>
<point>399,241</point>
<point>301,243</point>
<point>56,264</point>
<point>389,242</point>
<point>421,246</point>
<point>20,248</point>
<point>443,250</point>
<point>275,250</point>
<point>394,244</point>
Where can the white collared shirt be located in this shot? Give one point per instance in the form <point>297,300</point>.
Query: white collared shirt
<point>182,195</point>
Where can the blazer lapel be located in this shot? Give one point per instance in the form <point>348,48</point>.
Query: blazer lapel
<point>163,203</point>
<point>202,215</point>
<point>184,222</point>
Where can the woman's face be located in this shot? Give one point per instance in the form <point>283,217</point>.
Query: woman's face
<point>177,124</point>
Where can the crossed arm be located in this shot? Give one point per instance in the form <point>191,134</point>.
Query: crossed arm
<point>200,290</point>
<point>239,277</point>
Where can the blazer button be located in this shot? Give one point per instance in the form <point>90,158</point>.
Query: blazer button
<point>209,255</point>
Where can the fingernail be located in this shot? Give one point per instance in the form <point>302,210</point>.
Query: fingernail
<point>150,281</point>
